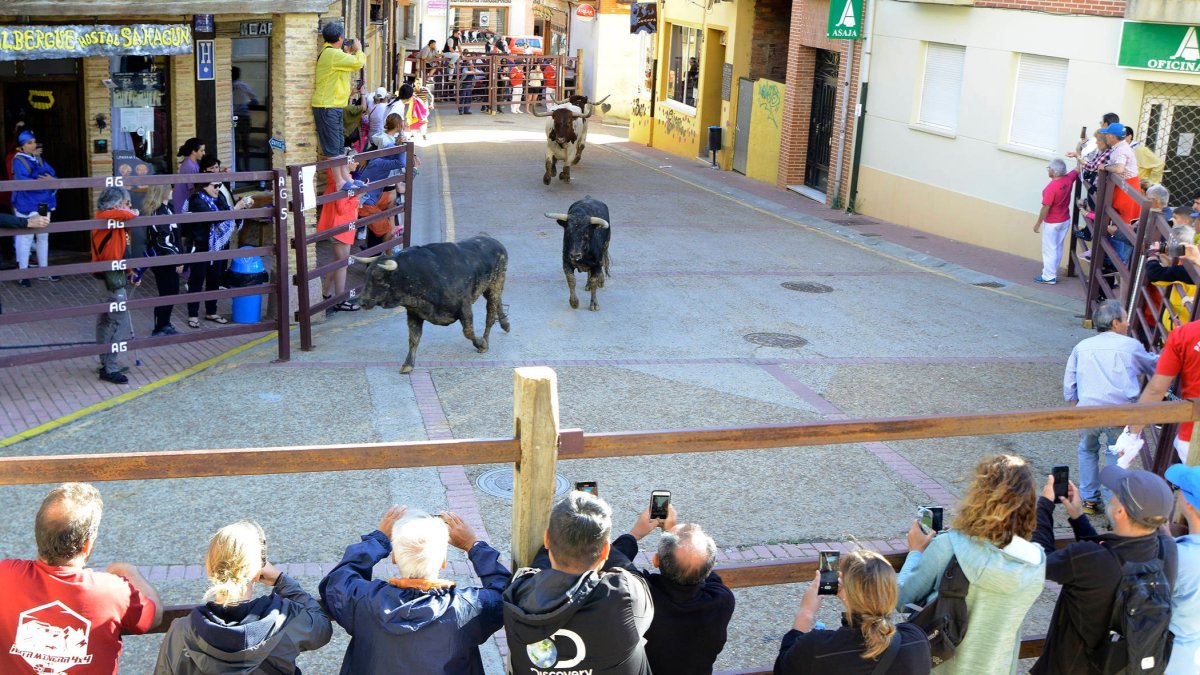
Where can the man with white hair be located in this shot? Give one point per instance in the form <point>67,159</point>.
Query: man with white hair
<point>415,622</point>
<point>1104,369</point>
<point>1056,216</point>
<point>692,606</point>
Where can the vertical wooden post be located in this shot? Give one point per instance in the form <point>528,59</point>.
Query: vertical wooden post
<point>535,423</point>
<point>579,74</point>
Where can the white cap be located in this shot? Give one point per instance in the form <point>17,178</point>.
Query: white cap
<point>381,92</point>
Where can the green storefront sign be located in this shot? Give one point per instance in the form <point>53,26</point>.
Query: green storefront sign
<point>1159,46</point>
<point>845,20</point>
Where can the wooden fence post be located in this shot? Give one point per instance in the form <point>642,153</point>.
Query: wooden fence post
<point>535,423</point>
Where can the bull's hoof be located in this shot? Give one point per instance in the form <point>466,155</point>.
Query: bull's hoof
<point>504,325</point>
<point>546,179</point>
<point>574,303</point>
<point>564,177</point>
<point>405,369</point>
<point>482,349</point>
<point>594,307</point>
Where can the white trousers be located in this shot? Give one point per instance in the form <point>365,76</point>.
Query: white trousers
<point>516,96</point>
<point>1053,235</point>
<point>24,243</point>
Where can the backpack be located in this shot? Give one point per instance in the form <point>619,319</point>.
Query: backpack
<point>945,619</point>
<point>1138,636</point>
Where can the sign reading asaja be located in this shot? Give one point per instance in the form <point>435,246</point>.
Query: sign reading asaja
<point>1159,46</point>
<point>18,43</point>
<point>845,20</point>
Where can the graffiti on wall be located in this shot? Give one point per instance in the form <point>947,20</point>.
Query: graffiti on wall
<point>678,126</point>
<point>770,101</point>
<point>640,114</point>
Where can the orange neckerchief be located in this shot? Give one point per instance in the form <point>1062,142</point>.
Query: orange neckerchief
<point>423,585</point>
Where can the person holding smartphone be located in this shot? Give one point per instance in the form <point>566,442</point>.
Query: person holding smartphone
<point>991,542</point>
<point>870,641</point>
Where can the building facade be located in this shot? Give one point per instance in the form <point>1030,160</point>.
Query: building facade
<point>969,100</point>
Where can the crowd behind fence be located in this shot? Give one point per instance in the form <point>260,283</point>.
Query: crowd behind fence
<point>540,444</point>
<point>500,83</point>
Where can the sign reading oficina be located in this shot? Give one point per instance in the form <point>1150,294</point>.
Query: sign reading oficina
<point>1159,46</point>
<point>845,20</point>
<point>19,43</point>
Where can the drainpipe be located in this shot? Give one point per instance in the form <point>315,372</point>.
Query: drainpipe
<point>861,113</point>
<point>837,174</point>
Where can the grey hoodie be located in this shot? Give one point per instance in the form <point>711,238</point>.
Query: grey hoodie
<point>590,624</point>
<point>260,637</point>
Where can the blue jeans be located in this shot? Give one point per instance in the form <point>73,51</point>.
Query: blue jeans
<point>1089,461</point>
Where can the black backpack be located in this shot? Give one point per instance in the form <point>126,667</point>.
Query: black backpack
<point>945,619</point>
<point>1138,632</point>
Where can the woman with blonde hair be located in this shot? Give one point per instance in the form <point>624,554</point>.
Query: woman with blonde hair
<point>234,632</point>
<point>870,641</point>
<point>162,240</point>
<point>991,544</point>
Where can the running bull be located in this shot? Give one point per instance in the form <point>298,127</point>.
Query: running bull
<point>580,101</point>
<point>438,283</point>
<point>563,132</point>
<point>585,245</point>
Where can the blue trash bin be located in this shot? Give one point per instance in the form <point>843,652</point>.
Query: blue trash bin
<point>244,272</point>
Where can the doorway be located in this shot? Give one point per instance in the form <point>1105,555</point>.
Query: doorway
<point>1169,126</point>
<point>820,125</point>
<point>251,74</point>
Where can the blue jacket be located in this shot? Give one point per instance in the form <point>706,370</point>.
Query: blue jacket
<point>28,167</point>
<point>378,169</point>
<point>406,630</point>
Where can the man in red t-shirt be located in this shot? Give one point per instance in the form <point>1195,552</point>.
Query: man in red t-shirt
<point>1056,216</point>
<point>1180,358</point>
<point>57,616</point>
<point>548,76</point>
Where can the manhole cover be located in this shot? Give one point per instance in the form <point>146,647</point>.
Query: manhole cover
<point>782,340</point>
<point>499,483</point>
<point>988,284</point>
<point>807,287</point>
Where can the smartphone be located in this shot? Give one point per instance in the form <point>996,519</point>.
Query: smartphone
<point>43,209</point>
<point>588,486</point>
<point>930,518</point>
<point>659,501</point>
<point>1061,475</point>
<point>827,565</point>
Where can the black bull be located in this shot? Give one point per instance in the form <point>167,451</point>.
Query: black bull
<point>438,283</point>
<point>586,234</point>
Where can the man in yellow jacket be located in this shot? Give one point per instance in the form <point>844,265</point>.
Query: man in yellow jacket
<point>332,91</point>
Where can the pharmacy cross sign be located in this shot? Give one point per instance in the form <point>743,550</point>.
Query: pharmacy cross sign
<point>1158,46</point>
<point>845,20</point>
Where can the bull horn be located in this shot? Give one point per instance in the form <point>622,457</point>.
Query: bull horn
<point>556,216</point>
<point>548,113</point>
<point>601,100</point>
<point>599,222</point>
<point>365,261</point>
<point>588,110</point>
<point>388,265</point>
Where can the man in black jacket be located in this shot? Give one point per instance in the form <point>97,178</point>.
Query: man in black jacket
<point>692,606</point>
<point>1090,569</point>
<point>578,616</point>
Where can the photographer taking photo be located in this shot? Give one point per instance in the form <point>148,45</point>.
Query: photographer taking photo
<point>869,641</point>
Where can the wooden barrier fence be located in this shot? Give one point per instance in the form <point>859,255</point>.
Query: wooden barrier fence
<point>538,444</point>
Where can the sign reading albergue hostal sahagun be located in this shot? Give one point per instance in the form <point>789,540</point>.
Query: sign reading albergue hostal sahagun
<point>1159,46</point>
<point>19,43</point>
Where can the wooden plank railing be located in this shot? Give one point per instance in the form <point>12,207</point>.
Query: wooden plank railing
<point>536,426</point>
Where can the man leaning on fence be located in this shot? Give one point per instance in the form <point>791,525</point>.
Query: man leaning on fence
<point>111,244</point>
<point>1103,370</point>
<point>415,622</point>
<point>58,616</point>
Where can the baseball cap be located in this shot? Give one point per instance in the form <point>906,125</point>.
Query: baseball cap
<point>1143,494</point>
<point>1116,129</point>
<point>1187,478</point>
<point>381,92</point>
<point>24,137</point>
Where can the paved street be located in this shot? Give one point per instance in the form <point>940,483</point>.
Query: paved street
<point>879,321</point>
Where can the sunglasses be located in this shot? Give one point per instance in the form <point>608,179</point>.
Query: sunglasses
<point>215,185</point>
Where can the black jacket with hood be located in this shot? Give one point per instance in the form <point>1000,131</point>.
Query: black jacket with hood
<point>259,637</point>
<point>1089,574</point>
<point>559,623</point>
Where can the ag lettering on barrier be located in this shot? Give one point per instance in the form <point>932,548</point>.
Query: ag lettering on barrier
<point>116,307</point>
<point>118,265</point>
<point>116,224</point>
<point>119,347</point>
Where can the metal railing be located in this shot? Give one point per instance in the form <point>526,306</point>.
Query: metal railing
<point>302,239</point>
<point>540,444</point>
<point>277,286</point>
<point>486,80</point>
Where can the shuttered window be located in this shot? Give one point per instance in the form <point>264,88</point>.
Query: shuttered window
<point>1038,103</point>
<point>942,86</point>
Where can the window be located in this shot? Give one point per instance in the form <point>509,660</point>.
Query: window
<point>683,72</point>
<point>1038,104</point>
<point>410,19</point>
<point>942,87</point>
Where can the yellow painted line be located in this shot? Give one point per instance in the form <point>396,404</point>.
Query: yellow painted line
<point>130,395</point>
<point>447,204</point>
<point>836,237</point>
